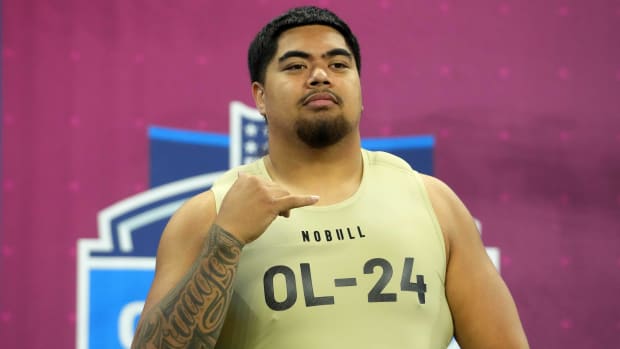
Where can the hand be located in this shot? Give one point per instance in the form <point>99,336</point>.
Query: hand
<point>252,203</point>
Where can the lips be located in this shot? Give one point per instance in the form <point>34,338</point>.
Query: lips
<point>320,98</point>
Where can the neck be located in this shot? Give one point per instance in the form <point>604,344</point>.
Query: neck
<point>334,172</point>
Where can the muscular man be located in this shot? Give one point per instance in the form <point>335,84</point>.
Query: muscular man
<point>321,244</point>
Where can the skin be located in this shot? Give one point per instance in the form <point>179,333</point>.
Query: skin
<point>199,249</point>
<point>292,163</point>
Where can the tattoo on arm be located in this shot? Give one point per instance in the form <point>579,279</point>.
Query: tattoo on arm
<point>192,314</point>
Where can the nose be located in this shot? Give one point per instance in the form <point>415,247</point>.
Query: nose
<point>318,76</point>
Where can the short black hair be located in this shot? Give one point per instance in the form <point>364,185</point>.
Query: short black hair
<point>265,44</point>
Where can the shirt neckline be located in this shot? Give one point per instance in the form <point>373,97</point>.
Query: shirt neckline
<point>346,202</point>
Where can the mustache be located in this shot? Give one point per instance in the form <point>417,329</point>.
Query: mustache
<point>304,99</point>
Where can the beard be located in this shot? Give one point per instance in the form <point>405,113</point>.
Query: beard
<point>322,132</point>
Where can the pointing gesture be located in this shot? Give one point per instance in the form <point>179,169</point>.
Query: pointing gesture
<point>252,203</point>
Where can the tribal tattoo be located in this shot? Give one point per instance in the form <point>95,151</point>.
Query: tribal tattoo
<point>192,314</point>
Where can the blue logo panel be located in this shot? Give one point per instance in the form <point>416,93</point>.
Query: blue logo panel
<point>117,297</point>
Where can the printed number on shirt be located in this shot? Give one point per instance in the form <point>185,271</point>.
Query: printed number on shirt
<point>379,266</point>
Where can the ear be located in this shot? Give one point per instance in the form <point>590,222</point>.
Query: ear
<point>258,92</point>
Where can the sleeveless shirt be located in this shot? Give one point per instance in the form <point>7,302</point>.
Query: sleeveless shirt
<point>367,272</point>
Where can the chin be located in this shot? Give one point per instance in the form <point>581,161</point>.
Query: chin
<point>323,131</point>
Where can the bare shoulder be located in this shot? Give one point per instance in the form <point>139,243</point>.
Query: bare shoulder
<point>454,217</point>
<point>442,195</point>
<point>449,209</point>
<point>193,218</point>
<point>188,226</point>
<point>181,242</point>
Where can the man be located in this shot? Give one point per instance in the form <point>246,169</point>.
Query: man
<point>321,244</point>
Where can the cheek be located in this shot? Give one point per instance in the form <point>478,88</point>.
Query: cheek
<point>356,98</point>
<point>273,101</point>
<point>279,94</point>
<point>355,88</point>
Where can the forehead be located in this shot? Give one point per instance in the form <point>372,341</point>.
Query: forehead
<point>314,39</point>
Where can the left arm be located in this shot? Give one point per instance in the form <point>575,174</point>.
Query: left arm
<point>483,311</point>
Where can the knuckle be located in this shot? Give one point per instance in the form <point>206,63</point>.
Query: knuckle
<point>271,201</point>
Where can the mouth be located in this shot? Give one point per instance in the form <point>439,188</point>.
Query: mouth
<point>320,99</point>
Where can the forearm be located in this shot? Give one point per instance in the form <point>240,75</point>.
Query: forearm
<point>192,314</point>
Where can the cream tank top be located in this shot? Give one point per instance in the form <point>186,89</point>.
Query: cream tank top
<point>368,272</point>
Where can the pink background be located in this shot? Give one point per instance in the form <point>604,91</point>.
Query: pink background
<point>522,96</point>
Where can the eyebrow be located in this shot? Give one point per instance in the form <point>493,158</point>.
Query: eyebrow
<point>306,55</point>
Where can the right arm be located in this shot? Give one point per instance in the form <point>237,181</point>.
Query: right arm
<point>196,263</point>
<point>197,260</point>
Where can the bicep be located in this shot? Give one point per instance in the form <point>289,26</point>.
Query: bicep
<point>181,243</point>
<point>484,313</point>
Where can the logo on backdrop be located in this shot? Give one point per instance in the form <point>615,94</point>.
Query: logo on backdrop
<point>115,270</point>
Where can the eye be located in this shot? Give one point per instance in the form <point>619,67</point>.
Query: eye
<point>295,66</point>
<point>339,65</point>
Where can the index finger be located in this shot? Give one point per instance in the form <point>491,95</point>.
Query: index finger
<point>286,203</point>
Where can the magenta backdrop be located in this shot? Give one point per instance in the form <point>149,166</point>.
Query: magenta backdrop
<point>523,97</point>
